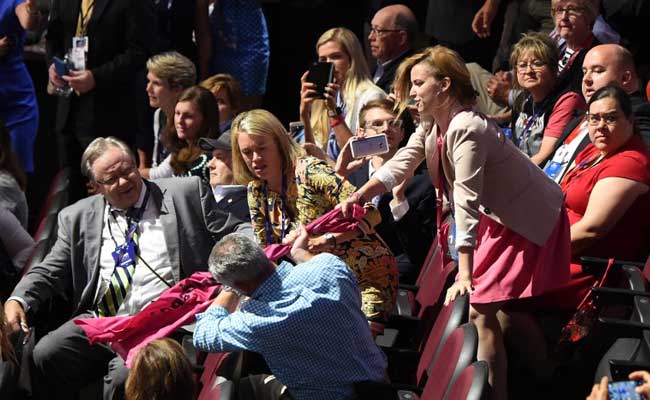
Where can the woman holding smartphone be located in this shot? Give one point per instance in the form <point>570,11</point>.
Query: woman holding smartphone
<point>504,251</point>
<point>286,188</point>
<point>331,121</point>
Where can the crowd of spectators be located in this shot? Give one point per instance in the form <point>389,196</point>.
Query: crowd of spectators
<point>514,132</point>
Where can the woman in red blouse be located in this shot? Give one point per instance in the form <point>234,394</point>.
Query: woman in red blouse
<point>606,189</point>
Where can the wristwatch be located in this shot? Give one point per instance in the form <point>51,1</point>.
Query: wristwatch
<point>331,239</point>
<point>334,113</point>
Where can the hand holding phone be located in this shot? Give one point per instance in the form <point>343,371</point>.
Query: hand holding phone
<point>624,390</point>
<point>369,145</point>
<point>61,66</point>
<point>321,73</point>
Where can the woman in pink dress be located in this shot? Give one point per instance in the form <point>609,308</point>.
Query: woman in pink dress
<point>511,229</point>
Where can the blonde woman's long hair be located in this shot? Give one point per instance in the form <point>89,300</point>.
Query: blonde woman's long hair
<point>357,77</point>
<point>258,123</point>
<point>443,62</point>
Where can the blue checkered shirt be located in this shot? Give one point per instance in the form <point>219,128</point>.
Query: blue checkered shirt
<point>307,323</point>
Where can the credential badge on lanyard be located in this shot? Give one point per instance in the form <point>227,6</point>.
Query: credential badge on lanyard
<point>79,51</point>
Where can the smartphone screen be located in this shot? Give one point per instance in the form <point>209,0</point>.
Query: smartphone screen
<point>321,73</point>
<point>369,146</point>
<point>624,390</point>
<point>296,131</point>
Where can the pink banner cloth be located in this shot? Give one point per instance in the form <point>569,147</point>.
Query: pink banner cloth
<point>178,305</point>
<point>174,308</point>
<point>332,221</point>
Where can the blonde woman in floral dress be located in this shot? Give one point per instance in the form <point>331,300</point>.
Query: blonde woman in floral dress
<point>286,188</point>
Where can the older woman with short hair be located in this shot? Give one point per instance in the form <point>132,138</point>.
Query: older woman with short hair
<point>574,20</point>
<point>286,188</point>
<point>544,107</point>
<point>168,74</point>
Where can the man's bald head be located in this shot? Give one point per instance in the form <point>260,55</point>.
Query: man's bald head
<point>608,64</point>
<point>399,28</point>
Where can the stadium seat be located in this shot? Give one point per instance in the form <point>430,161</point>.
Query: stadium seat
<point>471,384</point>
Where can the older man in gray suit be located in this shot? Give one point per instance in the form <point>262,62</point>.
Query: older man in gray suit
<point>115,252</point>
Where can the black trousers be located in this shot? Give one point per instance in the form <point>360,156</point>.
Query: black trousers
<point>64,362</point>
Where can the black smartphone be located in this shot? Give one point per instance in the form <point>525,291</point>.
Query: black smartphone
<point>621,369</point>
<point>60,66</point>
<point>321,73</point>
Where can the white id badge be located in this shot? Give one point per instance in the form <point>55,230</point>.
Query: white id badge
<point>78,52</point>
<point>80,42</point>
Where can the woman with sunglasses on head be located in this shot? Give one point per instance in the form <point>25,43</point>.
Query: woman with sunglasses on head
<point>544,107</point>
<point>505,252</point>
<point>606,188</point>
<point>286,188</point>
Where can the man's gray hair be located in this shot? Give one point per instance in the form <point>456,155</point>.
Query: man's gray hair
<point>96,149</point>
<point>237,258</point>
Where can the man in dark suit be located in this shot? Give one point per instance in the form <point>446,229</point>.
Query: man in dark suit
<point>392,37</point>
<point>230,197</point>
<point>115,252</point>
<point>603,65</point>
<point>118,36</point>
<point>408,213</point>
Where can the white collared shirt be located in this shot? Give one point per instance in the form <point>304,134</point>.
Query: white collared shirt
<point>146,286</point>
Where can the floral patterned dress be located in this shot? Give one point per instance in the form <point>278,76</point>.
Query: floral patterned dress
<point>316,190</point>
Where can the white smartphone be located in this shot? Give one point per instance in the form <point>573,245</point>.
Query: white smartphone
<point>369,146</point>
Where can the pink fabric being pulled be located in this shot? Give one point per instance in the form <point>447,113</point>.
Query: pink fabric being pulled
<point>174,308</point>
<point>332,221</point>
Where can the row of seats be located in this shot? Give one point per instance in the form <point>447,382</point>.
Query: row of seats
<point>618,339</point>
<point>626,318</point>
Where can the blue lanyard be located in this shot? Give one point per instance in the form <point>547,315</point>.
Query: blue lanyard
<point>132,223</point>
<point>267,220</point>
<point>529,124</point>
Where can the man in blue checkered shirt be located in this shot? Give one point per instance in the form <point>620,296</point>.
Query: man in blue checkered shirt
<point>306,321</point>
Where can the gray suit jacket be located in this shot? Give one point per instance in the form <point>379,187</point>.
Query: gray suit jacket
<point>191,222</point>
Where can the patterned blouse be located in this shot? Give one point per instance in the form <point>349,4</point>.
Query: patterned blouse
<point>316,190</point>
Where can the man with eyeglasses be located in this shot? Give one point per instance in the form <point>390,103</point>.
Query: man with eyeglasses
<point>392,37</point>
<point>407,216</point>
<point>115,253</point>
<point>603,65</point>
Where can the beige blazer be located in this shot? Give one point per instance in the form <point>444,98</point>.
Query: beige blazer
<point>485,173</point>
